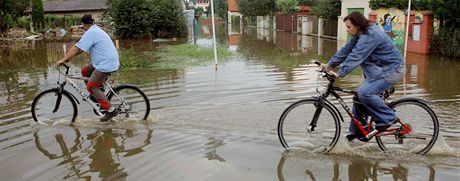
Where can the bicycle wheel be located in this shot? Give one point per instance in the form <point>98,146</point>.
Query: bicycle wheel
<point>424,125</point>
<point>44,104</point>
<point>295,120</point>
<point>131,101</point>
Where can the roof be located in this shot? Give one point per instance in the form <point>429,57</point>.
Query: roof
<point>73,5</point>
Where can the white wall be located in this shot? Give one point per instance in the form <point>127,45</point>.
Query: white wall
<point>341,30</point>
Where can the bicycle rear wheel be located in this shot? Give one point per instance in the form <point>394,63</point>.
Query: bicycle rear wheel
<point>131,101</point>
<point>44,104</point>
<point>294,123</point>
<point>424,125</point>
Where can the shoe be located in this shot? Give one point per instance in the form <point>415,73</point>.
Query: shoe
<point>109,115</point>
<point>350,137</point>
<point>358,136</point>
<point>385,127</point>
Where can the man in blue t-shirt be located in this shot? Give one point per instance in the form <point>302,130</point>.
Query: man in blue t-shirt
<point>104,61</point>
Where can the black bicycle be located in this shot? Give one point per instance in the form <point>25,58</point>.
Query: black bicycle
<point>59,104</point>
<point>315,122</point>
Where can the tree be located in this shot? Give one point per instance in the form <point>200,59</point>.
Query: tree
<point>287,6</point>
<point>131,18</point>
<point>11,10</point>
<point>220,9</point>
<point>38,16</point>
<point>256,7</point>
<point>169,20</point>
<point>306,2</point>
<point>329,9</point>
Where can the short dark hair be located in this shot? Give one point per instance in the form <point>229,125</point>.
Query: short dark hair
<point>87,19</point>
<point>358,20</point>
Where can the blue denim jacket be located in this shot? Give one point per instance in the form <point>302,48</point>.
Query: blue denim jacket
<point>374,52</point>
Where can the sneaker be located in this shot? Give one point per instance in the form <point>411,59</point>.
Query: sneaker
<point>109,115</point>
<point>350,137</point>
<point>385,127</point>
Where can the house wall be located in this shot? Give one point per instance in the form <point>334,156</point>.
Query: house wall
<point>341,29</point>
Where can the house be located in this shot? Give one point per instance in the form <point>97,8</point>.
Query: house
<point>74,7</point>
<point>200,4</point>
<point>349,6</point>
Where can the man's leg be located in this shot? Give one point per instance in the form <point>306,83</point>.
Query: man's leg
<point>368,94</point>
<point>94,88</point>
<point>87,71</point>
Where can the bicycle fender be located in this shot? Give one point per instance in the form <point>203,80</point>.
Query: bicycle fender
<point>409,99</point>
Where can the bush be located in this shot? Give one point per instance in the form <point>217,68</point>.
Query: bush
<point>136,18</point>
<point>445,41</point>
<point>24,22</point>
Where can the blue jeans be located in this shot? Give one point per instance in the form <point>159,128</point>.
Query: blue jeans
<point>374,106</point>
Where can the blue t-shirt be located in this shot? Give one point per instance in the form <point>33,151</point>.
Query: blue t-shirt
<point>104,55</point>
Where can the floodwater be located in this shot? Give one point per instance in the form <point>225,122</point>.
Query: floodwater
<point>209,124</point>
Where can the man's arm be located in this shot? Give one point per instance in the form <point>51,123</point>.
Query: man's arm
<point>74,51</point>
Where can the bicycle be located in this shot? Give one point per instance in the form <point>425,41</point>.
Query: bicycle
<point>59,104</point>
<point>315,122</point>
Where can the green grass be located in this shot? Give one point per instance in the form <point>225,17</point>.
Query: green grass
<point>173,57</point>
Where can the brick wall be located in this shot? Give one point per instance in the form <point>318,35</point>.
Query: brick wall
<point>421,46</point>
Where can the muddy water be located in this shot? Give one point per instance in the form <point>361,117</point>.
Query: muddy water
<point>213,125</point>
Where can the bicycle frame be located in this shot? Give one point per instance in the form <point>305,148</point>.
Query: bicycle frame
<point>84,95</point>
<point>365,130</point>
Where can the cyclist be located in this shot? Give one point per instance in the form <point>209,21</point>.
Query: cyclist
<point>104,61</point>
<point>382,65</point>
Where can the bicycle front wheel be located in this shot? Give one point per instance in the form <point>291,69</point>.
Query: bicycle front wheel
<point>131,101</point>
<point>294,123</point>
<point>50,107</point>
<point>424,125</point>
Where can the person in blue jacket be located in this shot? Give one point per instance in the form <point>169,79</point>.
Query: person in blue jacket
<point>382,65</point>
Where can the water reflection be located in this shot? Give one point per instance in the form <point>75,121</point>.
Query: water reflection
<point>104,149</point>
<point>308,166</point>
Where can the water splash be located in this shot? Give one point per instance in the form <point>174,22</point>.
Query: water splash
<point>441,148</point>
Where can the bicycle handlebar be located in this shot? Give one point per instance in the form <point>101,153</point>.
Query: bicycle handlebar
<point>328,75</point>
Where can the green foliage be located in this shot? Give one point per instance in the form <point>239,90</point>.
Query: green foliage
<point>131,18</point>
<point>38,15</point>
<point>256,7</point>
<point>306,2</point>
<point>220,8</point>
<point>287,6</point>
<point>131,59</point>
<point>169,21</point>
<point>11,10</point>
<point>447,12</point>
<point>172,57</point>
<point>445,41</point>
<point>24,22</point>
<point>400,4</point>
<point>10,21</point>
<point>199,11</point>
<point>135,18</point>
<point>329,9</point>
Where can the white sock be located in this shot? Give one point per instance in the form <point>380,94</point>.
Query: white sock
<point>111,109</point>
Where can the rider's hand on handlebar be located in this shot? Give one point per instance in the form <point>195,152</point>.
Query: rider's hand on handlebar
<point>325,67</point>
<point>61,62</point>
<point>328,69</point>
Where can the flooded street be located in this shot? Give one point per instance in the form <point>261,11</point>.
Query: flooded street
<point>208,124</point>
